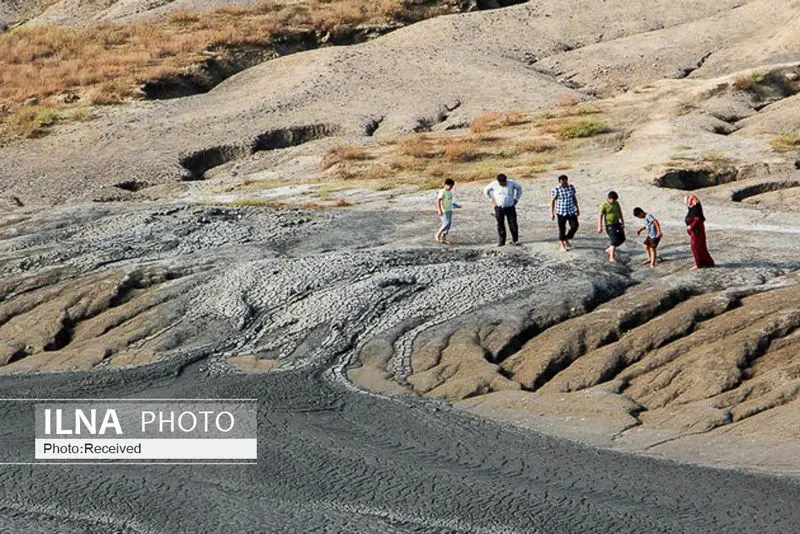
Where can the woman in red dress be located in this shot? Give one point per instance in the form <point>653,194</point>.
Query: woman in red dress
<point>696,228</point>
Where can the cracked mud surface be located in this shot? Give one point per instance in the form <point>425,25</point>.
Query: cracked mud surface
<point>309,291</point>
<point>95,288</point>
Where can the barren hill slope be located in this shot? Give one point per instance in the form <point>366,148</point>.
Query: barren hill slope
<point>433,75</point>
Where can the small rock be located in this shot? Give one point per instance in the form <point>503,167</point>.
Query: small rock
<point>69,98</point>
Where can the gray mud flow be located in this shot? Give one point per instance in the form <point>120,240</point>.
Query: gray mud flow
<point>334,460</point>
<point>169,293</point>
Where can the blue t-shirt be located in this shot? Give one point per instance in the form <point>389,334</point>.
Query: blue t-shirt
<point>650,223</point>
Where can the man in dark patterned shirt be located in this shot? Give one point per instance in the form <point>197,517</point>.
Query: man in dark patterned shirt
<point>564,206</point>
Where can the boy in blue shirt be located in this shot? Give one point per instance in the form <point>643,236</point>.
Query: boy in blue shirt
<point>654,234</point>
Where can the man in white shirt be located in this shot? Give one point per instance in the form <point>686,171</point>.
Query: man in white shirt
<point>504,194</point>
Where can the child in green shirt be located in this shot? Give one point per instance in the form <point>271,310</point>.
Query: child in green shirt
<point>444,207</point>
<point>611,217</point>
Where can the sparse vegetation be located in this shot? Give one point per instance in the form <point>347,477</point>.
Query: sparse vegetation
<point>418,146</point>
<point>462,150</point>
<point>486,122</point>
<point>582,128</point>
<point>714,157</point>
<point>406,163</point>
<point>438,171</point>
<point>108,62</point>
<point>748,82</point>
<point>339,154</point>
<point>536,145</point>
<point>376,172</point>
<point>255,203</point>
<point>482,172</point>
<point>786,142</point>
<point>575,110</point>
<point>279,204</point>
<point>566,101</point>
<point>32,121</point>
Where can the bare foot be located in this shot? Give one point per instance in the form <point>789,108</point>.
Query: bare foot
<point>645,262</point>
<point>693,268</point>
<point>612,260</point>
<point>437,238</point>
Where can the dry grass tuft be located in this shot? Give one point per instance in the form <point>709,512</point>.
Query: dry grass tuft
<point>462,150</point>
<point>486,122</point>
<point>439,171</point>
<point>406,163</point>
<point>537,145</point>
<point>482,172</point>
<point>537,164</point>
<point>552,126</point>
<point>341,154</point>
<point>112,92</point>
<point>748,82</point>
<point>418,146</point>
<point>512,118</point>
<point>376,172</point>
<point>786,142</point>
<point>255,203</point>
<point>32,121</point>
<point>714,157</point>
<point>567,101</point>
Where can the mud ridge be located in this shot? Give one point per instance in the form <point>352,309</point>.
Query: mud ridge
<point>739,195</point>
<point>558,347</point>
<point>696,177</point>
<point>197,163</point>
<point>686,72</point>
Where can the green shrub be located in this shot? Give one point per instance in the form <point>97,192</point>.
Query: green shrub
<point>582,128</point>
<point>32,121</point>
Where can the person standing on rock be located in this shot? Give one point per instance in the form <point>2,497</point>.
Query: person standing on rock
<point>564,205</point>
<point>654,235</point>
<point>504,194</point>
<point>696,228</point>
<point>611,215</point>
<point>444,207</point>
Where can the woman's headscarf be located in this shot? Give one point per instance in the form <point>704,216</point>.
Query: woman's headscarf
<point>695,208</point>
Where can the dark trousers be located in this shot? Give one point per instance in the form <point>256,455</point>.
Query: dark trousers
<point>501,214</point>
<point>563,235</point>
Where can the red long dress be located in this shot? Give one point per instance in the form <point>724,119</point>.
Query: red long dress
<point>697,230</point>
